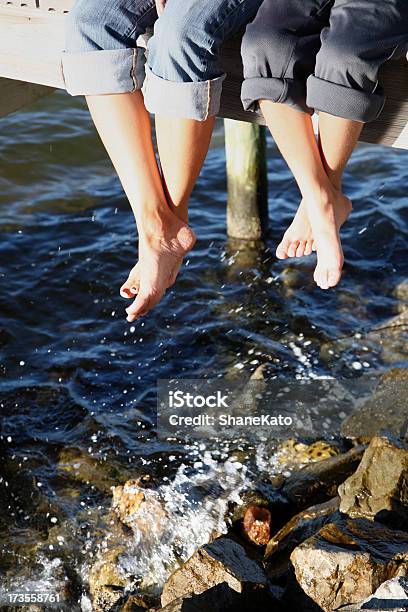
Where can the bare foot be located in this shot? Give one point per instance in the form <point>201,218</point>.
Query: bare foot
<point>162,246</point>
<point>326,222</point>
<point>298,240</point>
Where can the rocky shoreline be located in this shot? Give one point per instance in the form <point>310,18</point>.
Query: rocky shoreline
<point>331,535</point>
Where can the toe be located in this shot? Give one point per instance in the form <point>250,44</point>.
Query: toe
<point>300,251</point>
<point>292,248</point>
<point>308,247</point>
<point>320,277</point>
<point>333,277</point>
<point>131,286</point>
<point>145,301</point>
<point>282,250</point>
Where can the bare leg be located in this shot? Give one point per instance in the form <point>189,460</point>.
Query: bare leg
<point>337,140</point>
<point>183,145</point>
<point>124,126</point>
<point>294,135</point>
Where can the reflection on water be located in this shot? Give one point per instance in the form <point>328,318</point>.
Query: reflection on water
<point>78,383</point>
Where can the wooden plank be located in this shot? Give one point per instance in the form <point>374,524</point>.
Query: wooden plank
<point>17,94</point>
<point>31,42</point>
<point>60,6</point>
<point>30,45</point>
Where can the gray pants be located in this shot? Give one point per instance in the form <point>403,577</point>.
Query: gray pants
<point>322,55</point>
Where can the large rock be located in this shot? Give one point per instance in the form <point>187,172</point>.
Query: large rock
<point>386,411</point>
<point>347,560</point>
<point>138,506</point>
<point>107,583</point>
<point>300,528</point>
<point>222,598</point>
<point>318,482</point>
<point>222,561</point>
<point>379,487</point>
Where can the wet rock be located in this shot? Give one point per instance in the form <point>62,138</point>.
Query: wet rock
<point>384,412</point>
<point>291,452</point>
<point>300,527</point>
<point>80,466</point>
<point>379,487</point>
<point>106,581</point>
<point>134,604</point>
<point>222,561</point>
<point>318,482</point>
<point>257,525</point>
<point>347,560</point>
<point>139,507</point>
<point>222,598</point>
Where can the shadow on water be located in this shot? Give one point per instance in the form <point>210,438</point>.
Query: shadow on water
<point>78,383</point>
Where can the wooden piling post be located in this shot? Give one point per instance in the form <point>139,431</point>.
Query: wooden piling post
<point>247,208</point>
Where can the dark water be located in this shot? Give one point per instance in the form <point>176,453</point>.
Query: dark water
<point>78,382</point>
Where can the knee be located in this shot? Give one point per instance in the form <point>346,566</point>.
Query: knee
<point>177,51</point>
<point>340,59</point>
<point>81,26</point>
<point>93,25</point>
<point>263,51</point>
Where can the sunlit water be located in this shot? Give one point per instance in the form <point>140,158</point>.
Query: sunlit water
<point>79,381</point>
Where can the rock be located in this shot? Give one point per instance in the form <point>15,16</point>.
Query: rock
<point>222,598</point>
<point>222,561</point>
<point>134,604</point>
<point>379,487</point>
<point>347,560</point>
<point>318,482</point>
<point>106,582</point>
<point>292,452</point>
<point>300,527</point>
<point>257,525</point>
<point>80,466</point>
<point>391,595</point>
<point>384,412</point>
<point>139,507</point>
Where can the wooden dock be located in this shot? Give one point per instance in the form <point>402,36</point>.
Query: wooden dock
<point>31,43</point>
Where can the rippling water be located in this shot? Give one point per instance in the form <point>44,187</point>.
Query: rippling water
<point>78,383</point>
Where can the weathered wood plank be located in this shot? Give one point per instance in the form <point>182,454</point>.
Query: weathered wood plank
<point>30,45</point>
<point>31,42</point>
<point>17,94</point>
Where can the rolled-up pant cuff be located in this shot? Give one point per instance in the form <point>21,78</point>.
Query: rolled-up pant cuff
<point>343,101</point>
<point>284,91</point>
<point>104,71</point>
<point>191,100</point>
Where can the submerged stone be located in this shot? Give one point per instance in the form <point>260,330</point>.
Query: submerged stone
<point>292,452</point>
<point>386,412</point>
